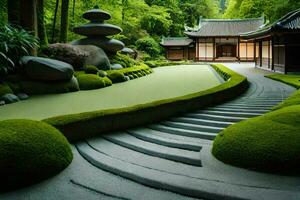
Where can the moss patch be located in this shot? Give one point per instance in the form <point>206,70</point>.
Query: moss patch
<point>5,89</point>
<point>30,151</point>
<point>90,82</point>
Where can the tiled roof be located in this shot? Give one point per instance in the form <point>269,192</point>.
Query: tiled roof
<point>176,41</point>
<point>225,27</point>
<point>289,22</point>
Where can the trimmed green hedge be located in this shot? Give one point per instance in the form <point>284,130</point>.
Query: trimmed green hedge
<point>292,80</point>
<point>162,63</point>
<point>90,82</point>
<point>30,151</point>
<point>107,81</point>
<point>83,125</point>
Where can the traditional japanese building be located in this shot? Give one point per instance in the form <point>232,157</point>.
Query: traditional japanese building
<point>278,45</point>
<point>275,47</point>
<point>215,40</point>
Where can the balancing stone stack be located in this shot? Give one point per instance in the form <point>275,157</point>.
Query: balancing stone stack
<point>96,31</point>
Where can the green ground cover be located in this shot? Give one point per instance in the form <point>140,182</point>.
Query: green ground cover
<point>30,151</point>
<point>269,143</point>
<point>165,83</point>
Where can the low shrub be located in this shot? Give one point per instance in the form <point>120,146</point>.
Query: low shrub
<point>116,77</point>
<point>162,63</point>
<point>90,82</point>
<point>107,81</point>
<point>30,151</point>
<point>5,89</point>
<point>90,69</point>
<point>149,45</point>
<point>36,87</point>
<point>124,60</point>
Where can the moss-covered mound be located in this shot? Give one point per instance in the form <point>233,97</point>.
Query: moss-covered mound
<point>5,89</point>
<point>268,143</point>
<point>30,151</point>
<point>90,82</point>
<point>116,77</point>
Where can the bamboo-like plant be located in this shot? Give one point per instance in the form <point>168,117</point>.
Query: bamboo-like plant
<point>14,43</point>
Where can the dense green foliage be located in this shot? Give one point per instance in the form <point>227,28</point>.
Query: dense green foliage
<point>272,9</point>
<point>149,46</point>
<point>90,82</point>
<point>14,43</point>
<point>30,151</point>
<point>268,143</point>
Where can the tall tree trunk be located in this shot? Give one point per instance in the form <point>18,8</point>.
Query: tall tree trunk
<point>42,34</point>
<point>64,25</point>
<point>28,17</point>
<point>54,20</point>
<point>13,11</point>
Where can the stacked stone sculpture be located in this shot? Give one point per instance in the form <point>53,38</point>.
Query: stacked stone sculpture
<point>97,31</point>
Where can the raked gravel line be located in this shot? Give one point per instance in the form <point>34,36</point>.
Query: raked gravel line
<point>172,159</point>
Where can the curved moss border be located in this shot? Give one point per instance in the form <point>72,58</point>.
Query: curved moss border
<point>83,125</point>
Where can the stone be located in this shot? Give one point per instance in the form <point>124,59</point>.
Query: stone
<point>95,56</point>
<point>44,69</point>
<point>22,96</point>
<point>96,15</point>
<point>127,78</point>
<point>66,53</point>
<point>94,29</point>
<point>2,103</point>
<point>107,44</point>
<point>116,66</point>
<point>9,98</point>
<point>102,73</point>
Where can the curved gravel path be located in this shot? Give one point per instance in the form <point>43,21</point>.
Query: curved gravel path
<point>172,159</point>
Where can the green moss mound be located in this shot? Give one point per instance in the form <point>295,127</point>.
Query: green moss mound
<point>107,81</point>
<point>30,151</point>
<point>116,77</point>
<point>90,82</point>
<point>269,143</point>
<point>90,69</point>
<point>5,89</point>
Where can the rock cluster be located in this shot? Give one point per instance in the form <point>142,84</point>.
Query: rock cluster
<point>97,31</point>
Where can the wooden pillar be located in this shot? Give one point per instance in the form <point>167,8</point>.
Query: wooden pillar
<point>214,49</point>
<point>197,49</point>
<point>239,56</point>
<point>272,66</point>
<point>260,53</point>
<point>254,51</point>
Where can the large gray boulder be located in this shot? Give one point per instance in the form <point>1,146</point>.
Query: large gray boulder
<point>44,69</point>
<point>9,98</point>
<point>95,56</point>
